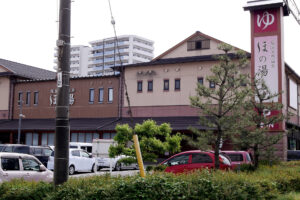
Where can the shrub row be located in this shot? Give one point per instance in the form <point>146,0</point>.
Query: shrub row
<point>266,183</point>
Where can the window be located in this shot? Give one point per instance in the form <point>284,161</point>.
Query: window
<point>101,95</point>
<point>35,98</point>
<point>81,137</point>
<point>84,154</point>
<point>20,98</point>
<point>212,84</point>
<point>236,157</point>
<point>140,86</point>
<point>201,158</point>
<point>27,98</point>
<point>198,44</point>
<point>177,84</point>
<point>10,164</point>
<point>106,135</point>
<point>30,164</point>
<point>293,101</point>
<point>92,95</point>
<point>200,80</point>
<point>150,86</point>
<point>166,84</point>
<point>179,160</point>
<point>89,137</point>
<point>76,153</point>
<point>32,139</point>
<point>110,94</point>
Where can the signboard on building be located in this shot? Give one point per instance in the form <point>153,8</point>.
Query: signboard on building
<point>266,48</point>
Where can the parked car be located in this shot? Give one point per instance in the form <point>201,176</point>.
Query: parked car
<point>1,147</point>
<point>104,162</point>
<point>81,145</point>
<point>238,157</point>
<point>41,152</point>
<point>193,160</point>
<point>79,161</point>
<point>293,155</point>
<point>18,165</point>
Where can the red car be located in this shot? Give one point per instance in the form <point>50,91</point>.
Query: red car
<point>192,160</point>
<point>238,157</point>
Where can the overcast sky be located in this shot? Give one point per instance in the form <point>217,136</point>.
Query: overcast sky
<point>29,28</point>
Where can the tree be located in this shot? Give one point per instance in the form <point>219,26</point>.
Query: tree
<point>257,120</point>
<point>219,106</point>
<point>154,140</point>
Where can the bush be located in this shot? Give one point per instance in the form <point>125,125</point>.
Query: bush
<point>265,183</point>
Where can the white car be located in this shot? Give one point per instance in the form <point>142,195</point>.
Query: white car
<point>104,162</point>
<point>79,161</point>
<point>28,167</point>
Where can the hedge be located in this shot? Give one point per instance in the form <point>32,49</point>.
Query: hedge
<point>266,183</point>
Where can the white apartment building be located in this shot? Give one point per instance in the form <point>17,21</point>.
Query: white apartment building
<point>78,60</point>
<point>105,53</point>
<point>129,49</point>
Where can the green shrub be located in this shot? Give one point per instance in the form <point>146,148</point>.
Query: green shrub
<point>267,182</point>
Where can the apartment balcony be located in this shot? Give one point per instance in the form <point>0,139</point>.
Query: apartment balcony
<point>143,45</point>
<point>74,59</point>
<point>95,62</point>
<point>145,53</point>
<point>140,59</point>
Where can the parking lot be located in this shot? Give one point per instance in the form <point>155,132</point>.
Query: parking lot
<point>106,171</point>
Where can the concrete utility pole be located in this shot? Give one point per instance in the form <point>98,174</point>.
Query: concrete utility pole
<point>62,131</point>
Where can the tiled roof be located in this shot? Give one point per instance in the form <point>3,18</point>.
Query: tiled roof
<point>180,60</point>
<point>93,124</point>
<point>27,71</point>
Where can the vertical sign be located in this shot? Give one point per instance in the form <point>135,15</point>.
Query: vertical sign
<point>266,53</point>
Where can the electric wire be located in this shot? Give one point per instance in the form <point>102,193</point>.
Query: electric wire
<point>113,22</point>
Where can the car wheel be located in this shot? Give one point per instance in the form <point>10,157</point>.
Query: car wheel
<point>99,168</point>
<point>94,169</point>
<point>118,166</point>
<point>71,170</point>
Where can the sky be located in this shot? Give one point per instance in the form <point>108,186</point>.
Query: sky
<point>29,29</point>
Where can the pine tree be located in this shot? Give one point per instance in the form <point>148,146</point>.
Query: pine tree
<point>219,106</point>
<point>256,121</point>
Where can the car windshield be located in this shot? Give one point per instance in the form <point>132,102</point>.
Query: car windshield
<point>235,157</point>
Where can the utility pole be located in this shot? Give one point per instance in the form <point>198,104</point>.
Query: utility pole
<point>62,130</point>
<point>20,121</point>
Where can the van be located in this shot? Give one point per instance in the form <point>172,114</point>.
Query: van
<point>81,145</point>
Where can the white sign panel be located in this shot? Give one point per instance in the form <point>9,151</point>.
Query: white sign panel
<point>266,61</point>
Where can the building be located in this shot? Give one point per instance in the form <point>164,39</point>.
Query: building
<point>159,90</point>
<point>78,60</point>
<point>129,49</point>
<point>10,72</point>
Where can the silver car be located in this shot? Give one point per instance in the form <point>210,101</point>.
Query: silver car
<point>18,166</point>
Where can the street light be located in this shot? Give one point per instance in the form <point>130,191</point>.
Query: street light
<point>20,120</point>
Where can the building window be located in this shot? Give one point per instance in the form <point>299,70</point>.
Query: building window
<point>35,98</point>
<point>110,94</point>
<point>108,135</point>
<point>32,139</point>
<point>92,95</point>
<point>84,137</point>
<point>47,138</point>
<point>101,95</point>
<point>140,86</point>
<point>198,44</point>
<point>150,86</point>
<point>20,98</point>
<point>166,85</point>
<point>27,98</point>
<point>200,80</point>
<point>177,84</point>
<point>212,84</point>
